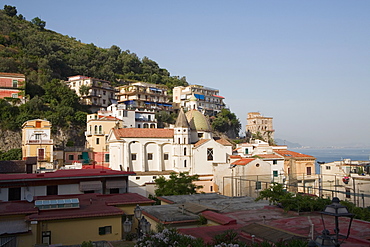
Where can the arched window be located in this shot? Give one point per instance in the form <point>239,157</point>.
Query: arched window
<point>96,129</point>
<point>145,125</point>
<point>100,129</point>
<point>179,141</point>
<point>184,163</point>
<point>184,151</point>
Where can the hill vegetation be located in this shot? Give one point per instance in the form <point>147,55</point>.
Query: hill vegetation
<point>48,58</point>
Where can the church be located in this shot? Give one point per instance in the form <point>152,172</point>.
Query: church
<point>187,147</point>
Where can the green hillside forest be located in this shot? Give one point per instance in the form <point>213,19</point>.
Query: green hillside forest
<point>47,58</point>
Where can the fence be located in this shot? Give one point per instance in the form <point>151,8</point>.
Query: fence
<point>356,190</point>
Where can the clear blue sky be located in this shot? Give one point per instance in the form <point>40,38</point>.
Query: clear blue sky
<point>305,63</point>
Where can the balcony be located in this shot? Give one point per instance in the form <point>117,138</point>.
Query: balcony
<point>99,133</point>
<point>39,142</point>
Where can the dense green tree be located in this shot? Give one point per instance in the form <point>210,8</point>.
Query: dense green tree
<point>39,23</point>
<point>177,184</point>
<point>10,10</point>
<point>165,118</point>
<point>12,154</point>
<point>226,122</point>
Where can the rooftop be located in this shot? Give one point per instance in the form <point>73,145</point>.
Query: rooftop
<point>142,133</point>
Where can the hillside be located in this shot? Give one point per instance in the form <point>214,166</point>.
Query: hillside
<point>46,58</point>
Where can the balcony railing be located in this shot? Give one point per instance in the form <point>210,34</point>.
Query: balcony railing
<point>39,142</point>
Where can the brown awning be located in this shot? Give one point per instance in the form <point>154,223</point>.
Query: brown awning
<point>90,185</point>
<point>115,184</point>
<point>270,233</point>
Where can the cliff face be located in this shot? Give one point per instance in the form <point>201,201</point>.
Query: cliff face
<point>10,139</point>
<point>13,139</point>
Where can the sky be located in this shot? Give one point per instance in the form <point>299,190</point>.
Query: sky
<point>304,63</point>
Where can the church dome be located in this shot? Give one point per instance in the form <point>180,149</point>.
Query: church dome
<point>198,121</point>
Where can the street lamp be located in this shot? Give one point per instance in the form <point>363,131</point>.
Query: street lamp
<point>127,226</point>
<point>337,210</point>
<point>143,225</point>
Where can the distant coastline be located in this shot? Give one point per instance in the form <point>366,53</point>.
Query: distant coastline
<point>335,154</point>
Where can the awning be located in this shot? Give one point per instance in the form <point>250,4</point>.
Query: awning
<point>115,184</point>
<point>90,185</point>
<point>167,105</point>
<point>218,96</point>
<point>199,96</point>
<point>13,226</point>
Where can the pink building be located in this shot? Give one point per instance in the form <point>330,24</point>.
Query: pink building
<point>12,85</point>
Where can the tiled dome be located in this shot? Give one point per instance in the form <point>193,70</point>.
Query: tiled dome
<point>198,121</point>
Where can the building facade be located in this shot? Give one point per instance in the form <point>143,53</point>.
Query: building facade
<point>188,147</point>
<point>209,100</point>
<point>142,95</point>
<point>37,142</point>
<point>12,86</point>
<point>94,92</point>
<point>260,126</point>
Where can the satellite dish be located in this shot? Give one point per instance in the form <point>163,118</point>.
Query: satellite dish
<point>29,197</point>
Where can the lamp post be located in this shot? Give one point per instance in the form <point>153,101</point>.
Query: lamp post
<point>143,225</point>
<point>127,226</point>
<point>336,210</point>
<point>320,178</point>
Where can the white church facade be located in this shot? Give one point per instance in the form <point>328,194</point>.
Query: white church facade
<point>188,147</point>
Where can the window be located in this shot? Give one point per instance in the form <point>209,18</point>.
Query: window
<point>52,190</point>
<point>211,188</point>
<point>114,191</point>
<point>165,156</point>
<point>38,124</point>
<point>145,126</point>
<point>71,157</point>
<point>154,177</point>
<point>79,157</point>
<point>105,230</point>
<point>104,92</point>
<point>14,194</point>
<point>246,151</point>
<point>200,135</point>
<point>138,126</point>
<point>133,156</point>
<point>308,170</point>
<point>41,153</point>
<point>274,162</point>
<point>14,95</point>
<point>15,83</point>
<point>137,178</point>
<point>46,237</point>
<point>328,167</point>
<point>209,153</point>
<point>348,193</point>
<point>184,163</point>
<point>275,173</point>
<point>104,101</point>
<point>258,185</point>
<point>106,157</point>
<point>97,141</point>
<point>150,156</point>
<point>38,136</point>
<point>184,151</point>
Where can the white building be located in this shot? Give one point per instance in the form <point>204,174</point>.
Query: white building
<point>209,100</point>
<point>188,147</point>
<point>144,118</point>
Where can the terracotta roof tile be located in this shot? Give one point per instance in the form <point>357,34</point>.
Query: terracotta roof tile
<point>218,218</point>
<point>201,142</point>
<point>224,142</point>
<point>143,133</point>
<point>242,162</point>
<point>288,154</point>
<point>12,74</point>
<point>269,156</point>
<point>235,156</point>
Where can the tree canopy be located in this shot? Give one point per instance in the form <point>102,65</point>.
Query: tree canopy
<point>177,184</point>
<point>226,122</point>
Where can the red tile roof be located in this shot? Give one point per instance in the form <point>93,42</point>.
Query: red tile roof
<point>224,142</point>
<point>269,156</point>
<point>201,142</point>
<point>235,156</point>
<point>91,205</point>
<point>11,74</point>
<point>17,207</point>
<point>288,154</point>
<point>207,233</point>
<point>242,162</point>
<point>219,218</point>
<point>64,174</point>
<point>143,133</point>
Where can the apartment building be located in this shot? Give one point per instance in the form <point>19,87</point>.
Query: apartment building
<point>12,85</point>
<point>141,95</point>
<point>260,125</point>
<point>94,92</point>
<point>209,102</point>
<point>37,142</point>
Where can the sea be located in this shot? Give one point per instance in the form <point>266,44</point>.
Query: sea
<point>335,154</point>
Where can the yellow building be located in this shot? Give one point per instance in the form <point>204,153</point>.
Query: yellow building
<point>98,128</point>
<point>37,142</point>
